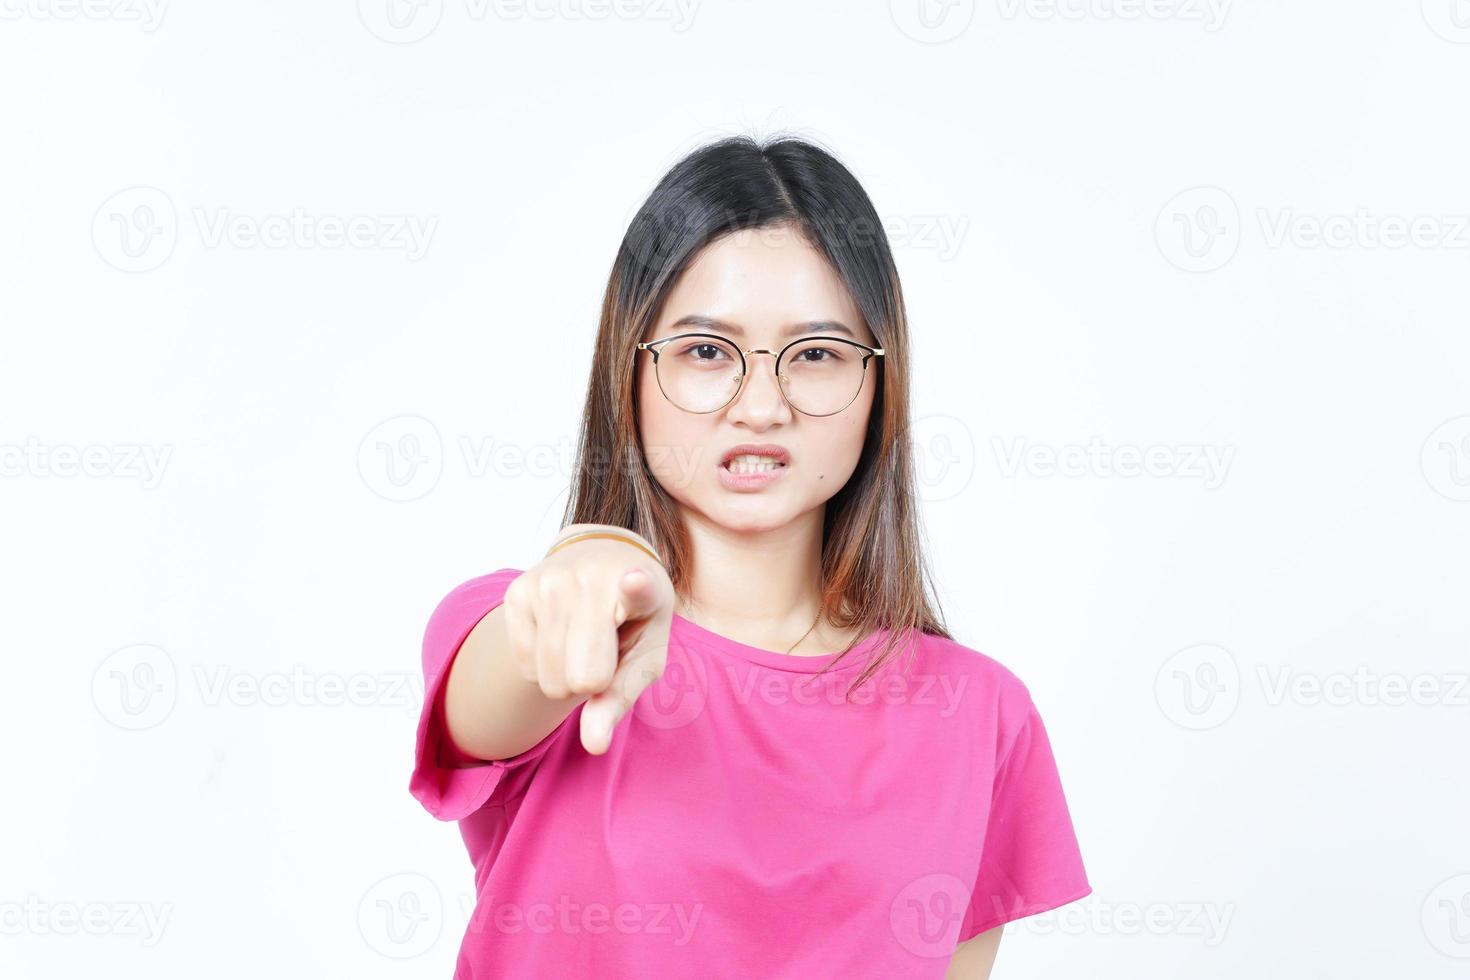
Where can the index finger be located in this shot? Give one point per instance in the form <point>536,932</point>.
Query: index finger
<point>640,667</point>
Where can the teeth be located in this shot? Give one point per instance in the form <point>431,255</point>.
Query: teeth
<point>751,464</point>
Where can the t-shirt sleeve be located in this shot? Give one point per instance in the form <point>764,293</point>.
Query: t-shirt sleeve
<point>453,792</point>
<point>1030,861</point>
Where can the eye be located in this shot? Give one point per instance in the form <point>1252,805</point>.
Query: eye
<point>817,355</point>
<point>702,352</point>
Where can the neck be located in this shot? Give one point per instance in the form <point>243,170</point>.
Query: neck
<point>759,587</point>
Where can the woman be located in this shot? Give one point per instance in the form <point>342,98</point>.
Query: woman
<point>717,730</point>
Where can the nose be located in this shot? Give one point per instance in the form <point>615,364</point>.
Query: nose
<point>760,401</point>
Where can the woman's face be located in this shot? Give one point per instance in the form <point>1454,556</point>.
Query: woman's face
<point>760,288</point>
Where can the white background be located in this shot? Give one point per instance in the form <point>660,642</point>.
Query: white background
<point>239,467</point>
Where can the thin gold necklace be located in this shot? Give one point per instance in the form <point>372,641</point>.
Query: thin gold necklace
<point>807,633</point>
<point>803,636</point>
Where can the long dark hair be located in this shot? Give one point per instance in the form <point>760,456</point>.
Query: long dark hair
<point>873,571</point>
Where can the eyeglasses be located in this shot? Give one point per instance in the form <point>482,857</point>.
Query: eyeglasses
<point>703,372</point>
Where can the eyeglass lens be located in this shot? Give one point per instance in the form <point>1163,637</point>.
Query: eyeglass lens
<point>819,376</point>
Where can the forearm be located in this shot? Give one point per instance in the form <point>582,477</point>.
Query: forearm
<point>490,710</point>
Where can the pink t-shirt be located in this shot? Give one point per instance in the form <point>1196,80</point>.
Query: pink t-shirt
<point>745,822</point>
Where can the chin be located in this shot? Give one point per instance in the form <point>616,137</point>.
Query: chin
<point>752,514</point>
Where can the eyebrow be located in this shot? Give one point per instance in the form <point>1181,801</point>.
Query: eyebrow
<point>700,321</point>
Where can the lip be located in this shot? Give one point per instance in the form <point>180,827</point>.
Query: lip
<point>778,453</point>
<point>753,481</point>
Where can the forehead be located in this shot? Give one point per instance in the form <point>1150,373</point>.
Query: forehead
<point>761,283</point>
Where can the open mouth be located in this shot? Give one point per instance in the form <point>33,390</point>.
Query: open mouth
<point>746,464</point>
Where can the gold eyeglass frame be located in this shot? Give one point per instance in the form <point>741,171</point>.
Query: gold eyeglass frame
<point>654,348</point>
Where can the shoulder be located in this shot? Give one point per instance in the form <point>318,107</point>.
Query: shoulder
<point>942,654</point>
<point>998,698</point>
